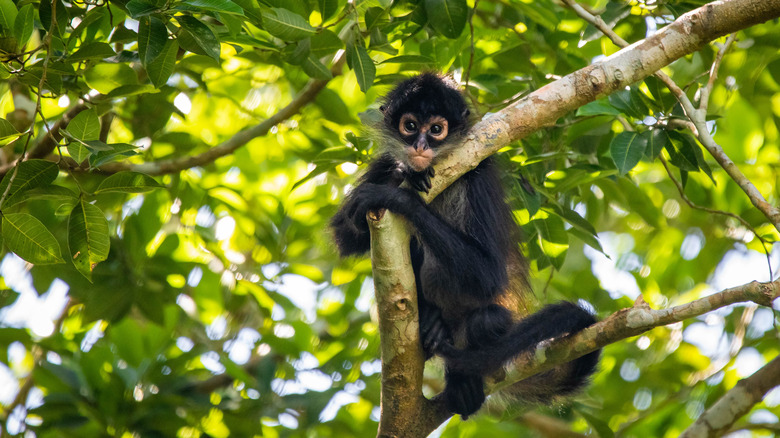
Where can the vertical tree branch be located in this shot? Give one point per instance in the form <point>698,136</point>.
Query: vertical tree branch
<point>405,412</point>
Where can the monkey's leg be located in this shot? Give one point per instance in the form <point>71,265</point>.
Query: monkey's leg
<point>485,327</point>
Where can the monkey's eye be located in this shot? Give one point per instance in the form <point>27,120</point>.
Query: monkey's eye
<point>410,126</point>
<point>436,129</point>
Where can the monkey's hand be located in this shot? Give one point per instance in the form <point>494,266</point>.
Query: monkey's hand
<point>434,334</point>
<point>371,197</point>
<point>420,181</point>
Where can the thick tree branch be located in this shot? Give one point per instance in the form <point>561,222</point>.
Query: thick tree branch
<point>719,418</point>
<point>402,356</point>
<point>537,110</point>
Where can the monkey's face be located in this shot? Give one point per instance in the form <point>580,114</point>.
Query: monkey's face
<point>423,116</point>
<point>421,137</point>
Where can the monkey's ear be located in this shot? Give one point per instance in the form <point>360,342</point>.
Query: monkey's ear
<point>466,113</point>
<point>383,108</point>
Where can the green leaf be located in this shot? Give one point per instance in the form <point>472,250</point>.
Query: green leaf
<point>656,141</point>
<point>691,150</point>
<point>217,5</point>
<point>286,25</point>
<point>61,68</point>
<point>62,19</point>
<point>627,148</point>
<point>29,239</point>
<point>139,9</point>
<point>409,59</point>
<point>8,14</point>
<point>132,90</point>
<point>327,8</point>
<point>161,68</point>
<point>589,239</point>
<point>152,37</point>
<point>7,297</point>
<point>680,154</point>
<point>363,66</point>
<point>128,182</point>
<point>94,15</point>
<point>553,239</point>
<point>629,102</point>
<point>96,50</point>
<point>118,150</point>
<point>97,146</point>
<point>49,193</point>
<point>325,43</point>
<point>29,174</point>
<point>598,107</point>
<point>105,77</point>
<point>23,25</point>
<point>315,69</point>
<point>78,151</point>
<point>32,77</point>
<point>447,17</point>
<point>297,53</point>
<point>374,16</point>
<point>663,98</point>
<point>201,35</point>
<point>85,126</point>
<point>7,132</point>
<point>88,238</point>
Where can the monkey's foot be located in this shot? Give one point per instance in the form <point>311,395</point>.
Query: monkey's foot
<point>464,394</point>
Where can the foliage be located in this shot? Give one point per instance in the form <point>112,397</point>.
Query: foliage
<point>203,295</point>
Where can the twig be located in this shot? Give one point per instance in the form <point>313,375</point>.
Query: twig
<point>694,206</point>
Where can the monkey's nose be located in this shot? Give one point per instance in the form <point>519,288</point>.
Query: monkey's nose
<point>421,144</point>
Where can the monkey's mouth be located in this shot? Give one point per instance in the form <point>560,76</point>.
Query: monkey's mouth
<point>419,163</point>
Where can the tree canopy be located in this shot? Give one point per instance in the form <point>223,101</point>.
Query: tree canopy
<point>169,169</point>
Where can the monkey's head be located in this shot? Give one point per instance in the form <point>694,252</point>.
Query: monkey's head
<point>426,113</point>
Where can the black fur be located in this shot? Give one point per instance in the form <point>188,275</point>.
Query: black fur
<point>464,252</point>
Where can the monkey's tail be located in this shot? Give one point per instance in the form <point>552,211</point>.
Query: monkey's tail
<point>552,321</point>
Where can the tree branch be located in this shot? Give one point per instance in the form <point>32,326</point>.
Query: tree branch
<point>718,419</point>
<point>402,356</point>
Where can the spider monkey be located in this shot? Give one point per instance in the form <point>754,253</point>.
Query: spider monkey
<point>467,265</point>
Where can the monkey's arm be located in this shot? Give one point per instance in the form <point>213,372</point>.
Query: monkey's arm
<point>474,263</point>
<point>351,234</point>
